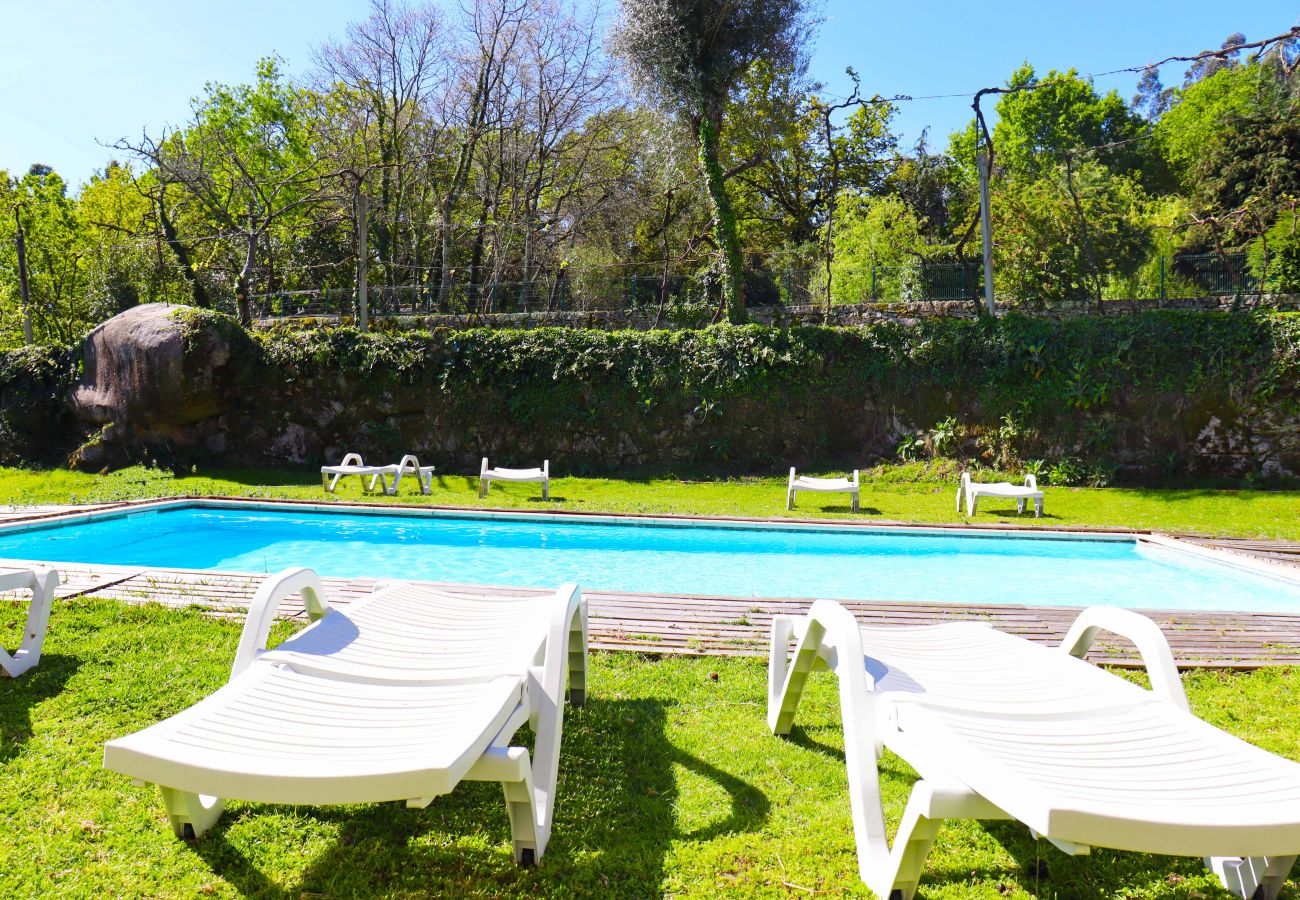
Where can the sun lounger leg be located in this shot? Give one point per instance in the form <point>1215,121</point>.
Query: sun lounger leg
<point>483,485</point>
<point>1253,877</point>
<point>786,676</point>
<point>1038,508</point>
<point>902,875</point>
<point>191,814</point>
<point>578,659</point>
<point>525,831</point>
<point>546,490</point>
<point>525,804</point>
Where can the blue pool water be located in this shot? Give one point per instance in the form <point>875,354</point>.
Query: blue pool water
<point>764,562</point>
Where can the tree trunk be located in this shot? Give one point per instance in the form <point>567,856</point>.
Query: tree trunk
<point>173,240</point>
<point>724,222</point>
<point>241,283</point>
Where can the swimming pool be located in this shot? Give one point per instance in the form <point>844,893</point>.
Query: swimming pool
<point>658,557</point>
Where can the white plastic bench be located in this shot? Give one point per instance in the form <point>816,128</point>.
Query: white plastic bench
<point>488,475</point>
<point>378,476</point>
<point>822,485</point>
<point>1021,494</point>
<point>399,696</point>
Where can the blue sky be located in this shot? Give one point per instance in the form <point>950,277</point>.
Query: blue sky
<point>76,71</point>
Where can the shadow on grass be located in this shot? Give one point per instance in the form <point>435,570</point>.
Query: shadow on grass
<point>19,696</point>
<point>1010,512</point>
<point>842,509</point>
<point>614,825</point>
<point>1039,867</point>
<point>255,478</point>
<point>1046,871</point>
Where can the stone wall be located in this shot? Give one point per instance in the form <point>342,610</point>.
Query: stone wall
<point>1142,396</point>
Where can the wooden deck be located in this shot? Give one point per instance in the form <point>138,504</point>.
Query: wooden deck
<point>1286,553</point>
<point>728,626</point>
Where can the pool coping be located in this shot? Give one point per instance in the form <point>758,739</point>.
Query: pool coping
<point>1165,541</point>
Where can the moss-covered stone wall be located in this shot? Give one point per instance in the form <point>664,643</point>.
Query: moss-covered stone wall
<point>1201,393</point>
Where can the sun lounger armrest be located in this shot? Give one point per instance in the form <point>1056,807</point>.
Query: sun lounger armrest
<point>1031,481</point>
<point>1145,635</point>
<point>261,612</point>
<point>42,585</point>
<point>569,614</point>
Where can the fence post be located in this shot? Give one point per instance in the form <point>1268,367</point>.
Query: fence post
<point>873,283</point>
<point>633,279</point>
<point>789,288</point>
<point>1162,279</point>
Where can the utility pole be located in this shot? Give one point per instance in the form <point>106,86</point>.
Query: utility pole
<point>986,229</point>
<point>363,259</point>
<point>21,244</point>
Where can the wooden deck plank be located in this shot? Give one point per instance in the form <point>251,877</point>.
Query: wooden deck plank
<point>737,626</point>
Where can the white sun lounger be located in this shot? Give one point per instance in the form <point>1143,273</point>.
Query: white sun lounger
<point>974,490</point>
<point>1002,728</point>
<point>399,696</point>
<point>486,476</point>
<point>42,586</point>
<point>822,485</point>
<point>378,475</point>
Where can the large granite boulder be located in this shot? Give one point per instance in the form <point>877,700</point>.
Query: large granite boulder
<point>154,375</point>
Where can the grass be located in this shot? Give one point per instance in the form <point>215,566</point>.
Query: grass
<point>670,786</point>
<point>1245,513</point>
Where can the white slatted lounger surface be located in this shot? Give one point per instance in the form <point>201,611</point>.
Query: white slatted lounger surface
<point>397,697</point>
<point>999,727</point>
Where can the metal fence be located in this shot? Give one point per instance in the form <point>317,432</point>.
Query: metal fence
<point>1161,278</point>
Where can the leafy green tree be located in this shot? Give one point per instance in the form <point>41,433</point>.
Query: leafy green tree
<point>692,54</point>
<point>57,246</point>
<point>1199,112</point>
<point>245,162</point>
<point>782,165</point>
<point>1040,120</point>
<point>879,247</point>
<point>1275,257</point>
<point>1042,252</point>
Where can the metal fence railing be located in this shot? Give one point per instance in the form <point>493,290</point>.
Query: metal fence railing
<point>1162,278</point>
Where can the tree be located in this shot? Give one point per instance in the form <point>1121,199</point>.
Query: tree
<point>245,160</point>
<point>691,54</point>
<point>377,87</point>
<point>56,246</point>
<point>878,249</point>
<point>1044,253</point>
<point>1040,120</point>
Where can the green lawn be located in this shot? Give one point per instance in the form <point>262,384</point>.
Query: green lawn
<point>670,785</point>
<point>1252,513</point>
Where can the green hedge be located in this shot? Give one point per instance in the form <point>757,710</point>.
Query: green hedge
<point>1032,365</point>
